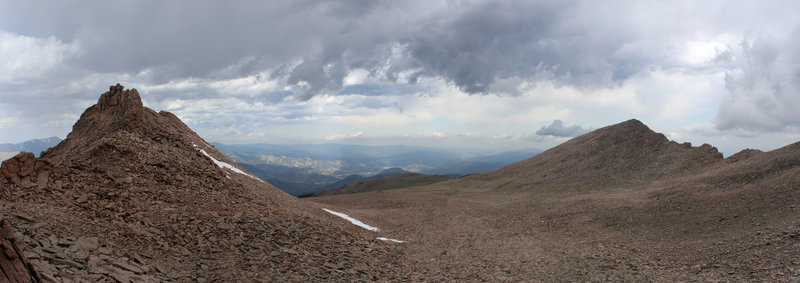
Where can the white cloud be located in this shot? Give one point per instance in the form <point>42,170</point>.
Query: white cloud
<point>356,76</point>
<point>764,94</point>
<point>341,137</point>
<point>558,129</point>
<point>9,121</point>
<point>25,57</point>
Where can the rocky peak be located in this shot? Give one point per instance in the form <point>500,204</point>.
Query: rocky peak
<point>117,108</point>
<point>632,129</point>
<point>117,111</point>
<point>633,123</point>
<point>119,135</point>
<point>620,155</point>
<point>144,185</point>
<point>118,97</point>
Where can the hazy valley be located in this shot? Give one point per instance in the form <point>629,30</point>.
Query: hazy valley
<point>309,168</point>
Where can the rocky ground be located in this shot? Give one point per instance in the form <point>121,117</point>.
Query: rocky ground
<point>701,218</point>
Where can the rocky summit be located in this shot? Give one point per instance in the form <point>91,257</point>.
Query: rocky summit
<point>627,154</point>
<point>134,195</point>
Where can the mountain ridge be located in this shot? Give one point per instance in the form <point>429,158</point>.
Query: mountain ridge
<point>35,145</point>
<point>619,204</point>
<point>621,155</point>
<point>152,194</point>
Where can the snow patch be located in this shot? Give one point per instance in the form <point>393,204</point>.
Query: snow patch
<point>225,165</point>
<point>390,239</point>
<point>352,220</point>
<point>362,225</point>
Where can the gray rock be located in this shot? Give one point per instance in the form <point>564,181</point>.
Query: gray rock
<point>87,243</point>
<point>120,275</point>
<point>129,267</point>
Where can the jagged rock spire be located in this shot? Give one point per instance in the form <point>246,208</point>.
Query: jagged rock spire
<point>118,97</point>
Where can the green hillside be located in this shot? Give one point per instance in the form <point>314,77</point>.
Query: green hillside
<point>396,181</point>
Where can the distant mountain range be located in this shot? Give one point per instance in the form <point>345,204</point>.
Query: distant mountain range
<point>308,168</point>
<point>36,145</point>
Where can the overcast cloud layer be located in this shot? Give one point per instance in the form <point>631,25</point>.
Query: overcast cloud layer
<point>461,73</point>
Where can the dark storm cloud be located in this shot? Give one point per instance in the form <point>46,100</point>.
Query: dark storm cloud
<point>313,45</point>
<point>557,129</point>
<point>380,89</point>
<point>503,39</point>
<point>309,47</point>
<point>179,39</point>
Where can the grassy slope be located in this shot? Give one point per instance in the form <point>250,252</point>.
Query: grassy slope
<point>386,183</point>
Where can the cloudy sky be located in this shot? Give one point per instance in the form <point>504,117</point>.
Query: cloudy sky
<point>468,74</point>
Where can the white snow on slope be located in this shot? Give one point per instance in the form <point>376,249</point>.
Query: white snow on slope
<point>361,224</point>
<point>352,220</point>
<point>225,165</point>
<point>390,239</point>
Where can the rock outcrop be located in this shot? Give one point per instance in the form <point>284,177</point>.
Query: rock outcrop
<point>26,170</point>
<point>118,97</point>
